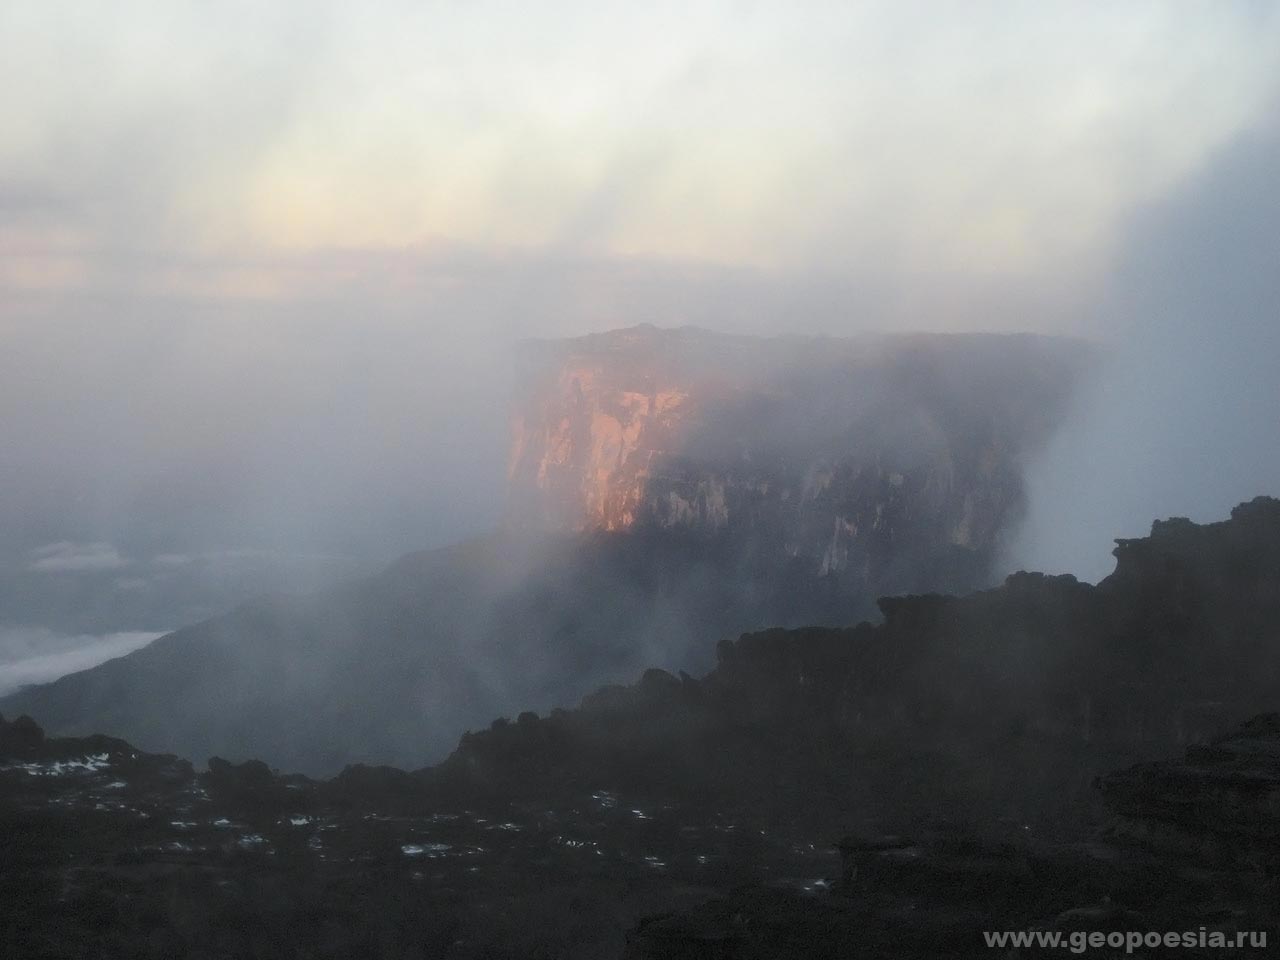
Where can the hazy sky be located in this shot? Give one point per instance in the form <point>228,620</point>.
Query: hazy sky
<point>1184,419</point>
<point>267,150</point>
<point>259,262</point>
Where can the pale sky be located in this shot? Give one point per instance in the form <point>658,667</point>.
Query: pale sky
<point>168,148</point>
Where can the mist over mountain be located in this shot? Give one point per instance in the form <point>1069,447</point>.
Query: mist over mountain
<point>667,489</point>
<point>1179,418</point>
<point>977,763</point>
<point>1002,704</point>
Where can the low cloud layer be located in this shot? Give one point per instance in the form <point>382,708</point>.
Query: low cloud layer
<point>37,655</point>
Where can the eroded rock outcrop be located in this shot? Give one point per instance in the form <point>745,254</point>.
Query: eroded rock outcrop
<point>1219,805</point>
<point>858,455</point>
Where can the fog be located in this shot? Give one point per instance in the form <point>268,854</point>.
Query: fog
<point>36,655</point>
<point>259,302</point>
<point>1183,418</point>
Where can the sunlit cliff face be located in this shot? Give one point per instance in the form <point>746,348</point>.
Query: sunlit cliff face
<point>593,444</point>
<point>848,456</point>
<point>605,435</point>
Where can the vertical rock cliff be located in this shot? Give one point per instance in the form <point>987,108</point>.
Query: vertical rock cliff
<point>883,460</point>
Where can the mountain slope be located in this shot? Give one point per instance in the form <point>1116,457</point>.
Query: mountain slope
<point>952,749</point>
<point>1001,704</point>
<point>803,479</point>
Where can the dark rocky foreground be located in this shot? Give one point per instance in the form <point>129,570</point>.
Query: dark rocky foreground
<point>108,852</point>
<point>1189,848</point>
<point>992,762</point>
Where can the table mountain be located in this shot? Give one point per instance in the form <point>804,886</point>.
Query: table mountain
<point>668,489</point>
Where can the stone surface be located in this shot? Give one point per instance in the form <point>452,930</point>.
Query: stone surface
<point>854,454</point>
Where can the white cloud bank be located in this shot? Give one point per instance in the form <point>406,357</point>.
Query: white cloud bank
<point>37,655</point>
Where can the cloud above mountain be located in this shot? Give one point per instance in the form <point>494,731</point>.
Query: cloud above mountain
<point>183,149</point>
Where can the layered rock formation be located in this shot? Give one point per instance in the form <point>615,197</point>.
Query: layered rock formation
<point>853,455</point>
<point>1219,806</point>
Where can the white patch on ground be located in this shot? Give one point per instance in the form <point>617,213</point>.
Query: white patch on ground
<point>62,768</point>
<point>425,849</point>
